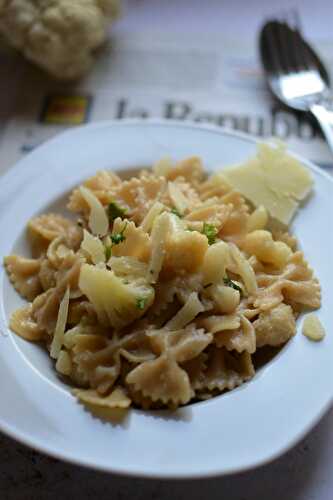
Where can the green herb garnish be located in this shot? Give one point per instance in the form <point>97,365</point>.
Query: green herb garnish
<point>141,303</point>
<point>210,231</point>
<point>115,211</point>
<point>117,238</point>
<point>232,284</point>
<point>108,251</point>
<point>176,212</point>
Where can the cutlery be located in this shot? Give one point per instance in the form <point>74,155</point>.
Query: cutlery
<point>295,74</point>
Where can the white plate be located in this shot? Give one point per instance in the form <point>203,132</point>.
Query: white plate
<point>232,432</point>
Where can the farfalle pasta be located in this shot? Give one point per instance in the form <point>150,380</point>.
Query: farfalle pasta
<point>163,289</point>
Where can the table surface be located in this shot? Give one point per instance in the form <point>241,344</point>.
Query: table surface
<point>305,472</point>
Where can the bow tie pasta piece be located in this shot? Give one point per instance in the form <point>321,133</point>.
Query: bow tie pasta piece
<point>215,214</point>
<point>241,339</point>
<point>22,323</point>
<point>45,307</point>
<point>136,242</point>
<point>58,252</point>
<point>295,284</point>
<point>163,379</point>
<point>45,228</point>
<point>137,195</point>
<point>23,274</point>
<point>101,185</point>
<point>117,398</point>
<point>224,370</point>
<point>190,169</point>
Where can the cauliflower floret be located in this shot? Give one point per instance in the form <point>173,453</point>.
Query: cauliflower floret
<point>276,326</point>
<point>261,244</point>
<point>184,250</point>
<point>117,301</point>
<point>58,35</point>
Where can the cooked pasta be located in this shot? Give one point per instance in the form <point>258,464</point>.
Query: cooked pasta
<point>163,290</point>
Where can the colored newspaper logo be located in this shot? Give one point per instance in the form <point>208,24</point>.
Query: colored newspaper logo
<point>66,109</point>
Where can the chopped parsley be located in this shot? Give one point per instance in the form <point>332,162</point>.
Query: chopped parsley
<point>210,231</point>
<point>141,303</point>
<point>176,212</point>
<point>117,238</point>
<point>115,211</point>
<point>232,284</point>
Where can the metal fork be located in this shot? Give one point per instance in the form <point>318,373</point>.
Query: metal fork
<point>294,72</point>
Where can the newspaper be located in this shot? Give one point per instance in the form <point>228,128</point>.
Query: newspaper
<point>208,80</point>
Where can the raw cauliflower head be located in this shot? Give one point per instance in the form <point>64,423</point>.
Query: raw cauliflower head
<point>58,35</point>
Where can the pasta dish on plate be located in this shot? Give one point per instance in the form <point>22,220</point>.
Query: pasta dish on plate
<point>162,287</point>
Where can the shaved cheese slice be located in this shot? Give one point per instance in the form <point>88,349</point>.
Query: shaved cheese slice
<point>98,220</point>
<point>59,332</point>
<point>312,327</point>
<point>158,237</point>
<point>64,363</point>
<point>155,210</point>
<point>244,269</point>
<point>187,313</point>
<point>94,247</point>
<point>273,179</point>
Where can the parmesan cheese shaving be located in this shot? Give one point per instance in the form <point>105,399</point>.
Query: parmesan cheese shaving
<point>158,237</point>
<point>98,220</point>
<point>244,269</point>
<point>155,210</point>
<point>64,363</point>
<point>94,247</point>
<point>312,327</point>
<point>273,179</point>
<point>187,313</point>
<point>59,332</point>
<point>215,324</point>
